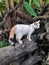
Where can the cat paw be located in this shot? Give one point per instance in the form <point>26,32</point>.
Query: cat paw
<point>30,40</point>
<point>9,41</point>
<point>12,43</point>
<point>20,42</point>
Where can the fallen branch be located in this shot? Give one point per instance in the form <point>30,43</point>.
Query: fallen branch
<point>30,20</point>
<point>10,53</point>
<point>41,17</point>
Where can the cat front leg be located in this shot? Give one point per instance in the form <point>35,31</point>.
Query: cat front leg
<point>20,42</point>
<point>29,37</point>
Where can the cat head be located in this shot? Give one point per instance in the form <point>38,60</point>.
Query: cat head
<point>36,24</point>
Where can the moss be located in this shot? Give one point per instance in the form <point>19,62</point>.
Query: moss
<point>3,43</point>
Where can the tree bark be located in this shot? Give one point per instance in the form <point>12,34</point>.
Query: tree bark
<point>11,4</point>
<point>7,4</point>
<point>10,53</point>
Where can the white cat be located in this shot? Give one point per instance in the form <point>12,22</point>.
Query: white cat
<point>21,29</point>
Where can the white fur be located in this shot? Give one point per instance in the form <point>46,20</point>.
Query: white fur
<point>25,30</point>
<point>22,29</point>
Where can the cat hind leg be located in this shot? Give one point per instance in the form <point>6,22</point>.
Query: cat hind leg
<point>11,42</point>
<point>18,38</point>
<point>19,41</point>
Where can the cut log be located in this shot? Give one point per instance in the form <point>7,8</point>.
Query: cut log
<point>10,53</point>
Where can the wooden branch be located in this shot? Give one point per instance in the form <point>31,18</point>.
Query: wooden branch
<point>41,17</point>
<point>10,11</point>
<point>30,20</point>
<point>10,53</point>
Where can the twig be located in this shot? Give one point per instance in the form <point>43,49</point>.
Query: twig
<point>4,19</point>
<point>41,17</point>
<point>12,10</point>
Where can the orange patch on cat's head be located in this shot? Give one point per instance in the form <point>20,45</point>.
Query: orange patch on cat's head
<point>36,23</point>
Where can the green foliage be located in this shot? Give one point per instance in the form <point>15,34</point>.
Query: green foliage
<point>36,2</point>
<point>15,1</point>
<point>29,8</point>
<point>30,2</point>
<point>46,2</point>
<point>31,5</point>
<point>2,5</point>
<point>3,43</point>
